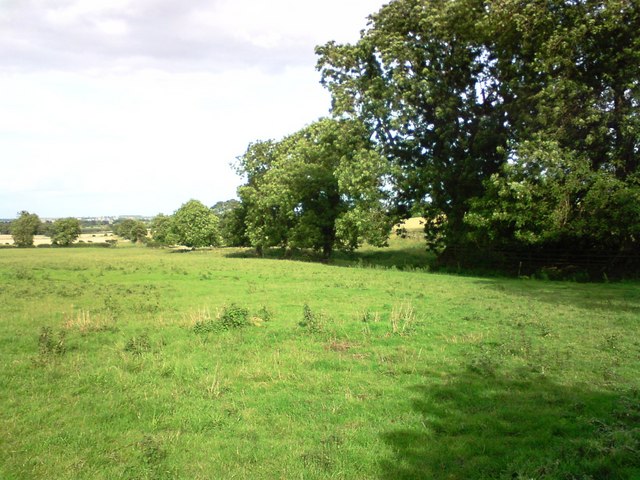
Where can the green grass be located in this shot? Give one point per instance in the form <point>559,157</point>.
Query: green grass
<point>124,363</point>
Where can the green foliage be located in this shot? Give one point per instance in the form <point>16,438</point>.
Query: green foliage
<point>5,227</point>
<point>50,344</point>
<point>234,316</point>
<point>551,196</point>
<point>195,225</point>
<point>458,95</point>
<point>233,228</point>
<point>162,230</point>
<point>225,206</point>
<point>24,228</point>
<point>131,229</point>
<point>319,188</point>
<point>65,231</point>
<point>420,79</point>
<point>232,215</point>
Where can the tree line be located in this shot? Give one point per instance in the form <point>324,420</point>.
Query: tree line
<point>506,124</point>
<point>192,225</point>
<point>63,231</point>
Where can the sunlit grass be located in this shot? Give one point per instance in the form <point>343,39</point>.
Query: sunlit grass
<point>408,375</point>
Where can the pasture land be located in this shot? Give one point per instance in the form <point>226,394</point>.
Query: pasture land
<point>139,363</point>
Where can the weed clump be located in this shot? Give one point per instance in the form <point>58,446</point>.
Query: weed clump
<point>403,319</point>
<point>311,321</point>
<point>151,450</point>
<point>49,344</point>
<point>138,345</point>
<point>234,316</point>
<point>265,314</point>
<point>231,317</point>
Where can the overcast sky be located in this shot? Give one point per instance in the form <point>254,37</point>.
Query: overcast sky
<point>116,107</point>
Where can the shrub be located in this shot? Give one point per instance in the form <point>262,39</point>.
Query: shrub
<point>313,322</point>
<point>50,345</point>
<point>264,314</point>
<point>234,316</point>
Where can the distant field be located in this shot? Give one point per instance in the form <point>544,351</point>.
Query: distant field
<point>134,363</point>
<point>415,224</point>
<point>44,240</point>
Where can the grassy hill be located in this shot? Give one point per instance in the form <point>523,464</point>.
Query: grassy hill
<point>139,363</point>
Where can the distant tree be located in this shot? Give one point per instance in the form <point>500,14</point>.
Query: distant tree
<point>233,229</point>
<point>46,228</point>
<point>130,229</point>
<point>65,231</point>
<point>222,207</point>
<point>162,230</point>
<point>195,225</point>
<point>24,228</point>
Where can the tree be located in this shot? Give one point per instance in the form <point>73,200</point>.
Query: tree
<point>65,231</point>
<point>553,197</point>
<point>455,91</point>
<point>162,230</point>
<point>131,229</point>
<point>222,207</point>
<point>319,188</point>
<point>233,228</point>
<point>195,225</point>
<point>419,81</point>
<point>24,228</point>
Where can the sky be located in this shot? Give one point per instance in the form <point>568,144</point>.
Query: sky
<point>134,107</point>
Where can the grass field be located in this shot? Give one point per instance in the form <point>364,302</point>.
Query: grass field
<point>139,363</point>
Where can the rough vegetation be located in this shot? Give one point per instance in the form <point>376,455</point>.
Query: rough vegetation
<point>137,363</point>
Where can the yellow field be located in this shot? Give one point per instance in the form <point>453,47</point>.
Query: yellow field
<point>415,224</point>
<point>44,240</point>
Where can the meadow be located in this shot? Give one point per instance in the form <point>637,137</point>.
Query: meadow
<point>138,363</point>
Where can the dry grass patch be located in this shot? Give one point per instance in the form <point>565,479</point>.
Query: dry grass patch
<point>86,322</point>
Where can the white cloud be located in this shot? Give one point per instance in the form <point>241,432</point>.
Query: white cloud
<point>135,106</point>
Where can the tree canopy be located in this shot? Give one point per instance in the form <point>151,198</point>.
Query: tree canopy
<point>131,229</point>
<point>319,188</point>
<point>65,231</point>
<point>24,228</point>
<point>195,225</point>
<point>486,107</point>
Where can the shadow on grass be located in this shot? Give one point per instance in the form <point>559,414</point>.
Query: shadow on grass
<point>613,297</point>
<point>408,258</point>
<point>479,426</point>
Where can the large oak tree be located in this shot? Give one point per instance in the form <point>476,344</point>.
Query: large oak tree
<point>488,107</point>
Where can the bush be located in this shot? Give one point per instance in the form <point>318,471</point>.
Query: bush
<point>313,322</point>
<point>50,345</point>
<point>234,316</point>
<point>231,317</point>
